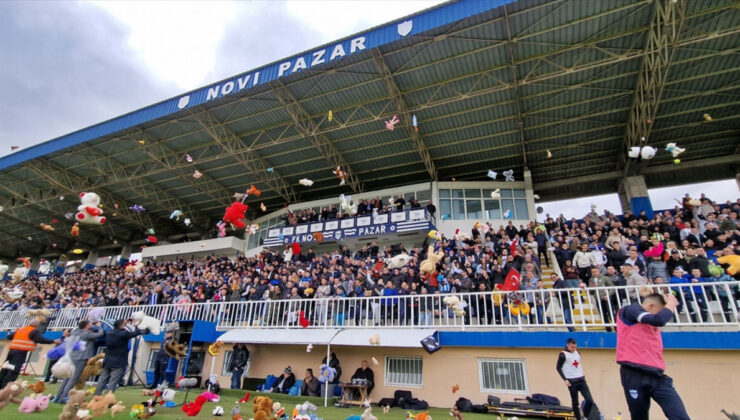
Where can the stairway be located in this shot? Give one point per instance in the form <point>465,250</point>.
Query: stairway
<point>584,310</point>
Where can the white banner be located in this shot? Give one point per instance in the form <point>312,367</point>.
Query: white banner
<point>417,214</point>
<point>301,229</point>
<point>398,217</point>
<point>363,221</point>
<point>288,230</point>
<point>347,223</point>
<point>317,227</point>
<point>380,219</point>
<point>333,225</point>
<point>273,233</point>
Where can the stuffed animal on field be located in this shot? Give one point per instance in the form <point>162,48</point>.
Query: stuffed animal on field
<point>34,404</point>
<point>262,407</point>
<point>99,404</point>
<point>397,261</point>
<point>429,265</point>
<point>94,367</point>
<point>193,408</point>
<point>38,387</point>
<point>82,414</point>
<point>454,412</point>
<point>10,393</point>
<point>146,322</point>
<point>117,409</point>
<point>89,211</point>
<point>423,416</point>
<point>75,400</point>
<point>235,215</point>
<point>454,303</point>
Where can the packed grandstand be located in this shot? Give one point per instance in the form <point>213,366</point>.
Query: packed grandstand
<point>599,252</point>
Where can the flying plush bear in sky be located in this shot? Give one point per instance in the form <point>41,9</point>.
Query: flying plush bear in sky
<point>235,214</point>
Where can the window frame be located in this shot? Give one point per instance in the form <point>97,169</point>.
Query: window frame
<point>484,360</point>
<point>387,375</point>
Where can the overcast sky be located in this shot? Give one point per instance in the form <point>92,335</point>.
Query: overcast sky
<point>68,65</point>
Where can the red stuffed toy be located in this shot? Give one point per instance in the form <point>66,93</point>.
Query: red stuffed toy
<point>235,215</point>
<point>192,409</point>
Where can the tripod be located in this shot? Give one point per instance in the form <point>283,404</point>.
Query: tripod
<point>27,364</point>
<point>131,369</point>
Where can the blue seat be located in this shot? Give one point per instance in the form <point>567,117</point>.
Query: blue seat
<point>296,388</point>
<point>269,382</point>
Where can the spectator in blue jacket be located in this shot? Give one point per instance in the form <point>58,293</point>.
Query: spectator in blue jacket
<point>698,294</point>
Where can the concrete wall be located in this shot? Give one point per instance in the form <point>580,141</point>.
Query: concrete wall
<point>229,246</point>
<point>706,380</point>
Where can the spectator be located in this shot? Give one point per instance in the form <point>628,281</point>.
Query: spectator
<point>237,364</point>
<point>366,374</point>
<point>310,385</point>
<point>284,382</point>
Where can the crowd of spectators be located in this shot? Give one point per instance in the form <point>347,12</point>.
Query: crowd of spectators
<point>364,206</point>
<point>601,250</point>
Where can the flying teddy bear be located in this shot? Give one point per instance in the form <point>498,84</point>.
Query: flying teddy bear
<point>94,367</point>
<point>345,203</point>
<point>146,322</point>
<point>429,265</point>
<point>215,348</point>
<point>462,236</point>
<point>175,349</point>
<point>454,303</point>
<point>733,261</point>
<point>89,212</point>
<point>397,261</point>
<point>235,215</point>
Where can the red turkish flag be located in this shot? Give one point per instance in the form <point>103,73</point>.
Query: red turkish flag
<point>513,278</point>
<point>514,245</point>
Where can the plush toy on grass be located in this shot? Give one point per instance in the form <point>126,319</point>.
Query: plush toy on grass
<point>193,408</point>
<point>99,404</point>
<point>89,211</point>
<point>75,400</point>
<point>262,408</point>
<point>117,408</point>
<point>10,393</point>
<point>34,404</point>
<point>146,322</point>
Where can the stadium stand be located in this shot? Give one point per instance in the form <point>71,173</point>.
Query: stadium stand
<point>611,256</point>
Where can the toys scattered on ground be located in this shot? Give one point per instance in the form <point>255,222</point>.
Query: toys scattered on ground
<point>117,408</point>
<point>262,407</point>
<point>34,404</point>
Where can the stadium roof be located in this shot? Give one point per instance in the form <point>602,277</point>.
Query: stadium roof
<point>493,85</point>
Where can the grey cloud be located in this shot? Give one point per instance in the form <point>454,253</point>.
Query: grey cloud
<point>262,33</point>
<point>66,66</point>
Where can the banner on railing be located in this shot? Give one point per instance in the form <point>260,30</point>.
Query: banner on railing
<point>359,226</point>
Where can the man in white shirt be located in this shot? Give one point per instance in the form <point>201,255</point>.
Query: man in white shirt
<point>569,368</point>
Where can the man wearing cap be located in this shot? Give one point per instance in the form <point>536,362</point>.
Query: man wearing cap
<point>284,382</point>
<point>116,355</point>
<point>22,341</point>
<point>570,369</point>
<point>640,356</point>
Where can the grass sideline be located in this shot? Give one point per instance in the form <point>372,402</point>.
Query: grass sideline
<point>132,395</point>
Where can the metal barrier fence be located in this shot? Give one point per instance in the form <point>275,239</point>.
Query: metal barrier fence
<point>700,305</point>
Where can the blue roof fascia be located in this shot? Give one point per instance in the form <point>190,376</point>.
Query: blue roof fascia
<point>373,38</point>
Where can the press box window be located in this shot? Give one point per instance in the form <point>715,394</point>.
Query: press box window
<point>403,371</point>
<point>503,375</point>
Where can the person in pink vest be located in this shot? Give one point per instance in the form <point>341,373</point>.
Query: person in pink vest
<point>640,356</point>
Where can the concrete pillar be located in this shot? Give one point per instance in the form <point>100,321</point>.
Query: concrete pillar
<point>34,268</point>
<point>634,193</point>
<point>125,255</point>
<point>92,258</point>
<point>529,191</point>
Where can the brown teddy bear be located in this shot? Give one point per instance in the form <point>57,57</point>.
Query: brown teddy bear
<point>262,407</point>
<point>94,367</point>
<point>10,393</point>
<point>75,400</point>
<point>99,404</point>
<point>175,350</point>
<point>429,265</point>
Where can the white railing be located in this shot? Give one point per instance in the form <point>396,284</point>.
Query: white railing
<point>700,305</point>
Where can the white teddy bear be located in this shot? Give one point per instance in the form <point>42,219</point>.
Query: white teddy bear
<point>453,302</point>
<point>397,261</point>
<point>347,205</point>
<point>146,322</point>
<point>89,211</point>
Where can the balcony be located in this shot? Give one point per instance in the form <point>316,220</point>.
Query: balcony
<point>589,309</point>
<point>398,223</point>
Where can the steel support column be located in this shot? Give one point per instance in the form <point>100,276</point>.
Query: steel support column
<point>310,130</point>
<point>665,26</point>
<point>515,86</point>
<point>394,92</point>
<point>228,139</point>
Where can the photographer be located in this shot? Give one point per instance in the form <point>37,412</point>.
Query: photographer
<point>116,355</point>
